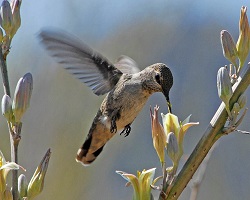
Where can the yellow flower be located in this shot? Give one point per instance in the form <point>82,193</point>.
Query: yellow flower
<point>171,124</point>
<point>5,167</point>
<point>141,183</point>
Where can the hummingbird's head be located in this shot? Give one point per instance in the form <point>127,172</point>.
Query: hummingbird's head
<point>163,80</point>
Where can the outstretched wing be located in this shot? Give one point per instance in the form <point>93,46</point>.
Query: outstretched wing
<point>127,65</point>
<point>84,63</point>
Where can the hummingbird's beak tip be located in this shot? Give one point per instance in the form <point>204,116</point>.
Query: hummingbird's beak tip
<point>169,106</point>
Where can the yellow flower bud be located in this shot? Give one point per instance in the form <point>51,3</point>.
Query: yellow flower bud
<point>36,183</point>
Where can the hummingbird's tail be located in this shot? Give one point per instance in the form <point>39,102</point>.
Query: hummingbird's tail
<point>98,136</point>
<point>83,154</point>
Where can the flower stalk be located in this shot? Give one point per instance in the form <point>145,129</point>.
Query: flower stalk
<point>211,135</point>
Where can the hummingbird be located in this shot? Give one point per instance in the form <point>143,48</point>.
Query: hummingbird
<point>127,88</point>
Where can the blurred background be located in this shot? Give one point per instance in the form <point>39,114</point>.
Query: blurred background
<point>183,35</point>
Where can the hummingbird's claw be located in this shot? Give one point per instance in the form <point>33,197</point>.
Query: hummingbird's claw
<point>126,130</point>
<point>113,127</point>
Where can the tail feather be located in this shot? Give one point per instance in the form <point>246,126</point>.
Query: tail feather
<point>87,158</point>
<point>93,145</point>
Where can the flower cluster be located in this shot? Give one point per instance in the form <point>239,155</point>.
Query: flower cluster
<point>169,136</point>
<point>240,50</point>
<point>226,78</point>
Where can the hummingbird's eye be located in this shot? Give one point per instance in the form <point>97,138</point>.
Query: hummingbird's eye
<point>157,78</point>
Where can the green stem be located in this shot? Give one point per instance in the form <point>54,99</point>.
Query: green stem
<point>211,135</point>
<point>14,134</point>
<point>4,71</point>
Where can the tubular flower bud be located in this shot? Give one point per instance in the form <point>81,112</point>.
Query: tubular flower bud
<point>224,87</point>
<point>6,17</point>
<point>158,135</point>
<point>22,96</point>
<point>242,100</point>
<point>36,183</point>
<point>243,43</point>
<point>228,47</point>
<point>22,185</point>
<point>7,108</point>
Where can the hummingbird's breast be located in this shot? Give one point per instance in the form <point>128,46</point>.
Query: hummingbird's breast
<point>126,101</point>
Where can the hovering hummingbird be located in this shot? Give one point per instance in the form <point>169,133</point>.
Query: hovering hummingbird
<point>126,86</point>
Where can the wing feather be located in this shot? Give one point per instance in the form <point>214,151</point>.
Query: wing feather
<point>80,60</point>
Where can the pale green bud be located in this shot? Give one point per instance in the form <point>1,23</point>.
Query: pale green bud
<point>172,147</point>
<point>7,108</point>
<point>228,47</point>
<point>6,17</point>
<point>243,43</point>
<point>242,100</point>
<point>15,6</point>
<point>36,183</point>
<point>22,96</point>
<point>236,109</point>
<point>224,87</point>
<point>22,185</point>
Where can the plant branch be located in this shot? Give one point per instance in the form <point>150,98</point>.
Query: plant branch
<point>213,132</point>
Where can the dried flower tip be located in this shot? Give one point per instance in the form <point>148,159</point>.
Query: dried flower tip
<point>6,17</point>
<point>228,47</point>
<point>7,108</point>
<point>22,96</point>
<point>224,87</point>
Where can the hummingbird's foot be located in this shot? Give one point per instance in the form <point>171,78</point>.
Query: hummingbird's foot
<point>126,130</point>
<point>113,127</point>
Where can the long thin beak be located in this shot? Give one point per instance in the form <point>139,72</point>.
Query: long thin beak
<point>169,105</point>
<point>166,94</point>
